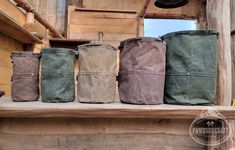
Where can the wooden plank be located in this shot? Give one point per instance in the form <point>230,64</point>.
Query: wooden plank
<point>106,36</point>
<point>117,37</point>
<point>98,142</point>
<point>42,8</point>
<point>94,36</point>
<point>68,43</point>
<point>144,8</point>
<point>233,46</point>
<point>103,15</point>
<point>107,4</point>
<point>6,47</point>
<point>189,11</point>
<point>13,12</point>
<point>230,143</point>
<point>115,110</point>
<point>87,3</point>
<point>233,65</point>
<point>70,12</point>
<point>133,4</point>
<point>140,27</point>
<point>5,75</point>
<point>93,126</point>
<point>117,4</point>
<point>6,88</point>
<point>9,44</point>
<point>232,15</point>
<point>106,10</point>
<point>77,3</point>
<point>105,22</point>
<point>5,60</point>
<point>9,27</point>
<point>60,16</point>
<point>51,12</point>
<point>109,29</point>
<point>102,4</point>
<point>218,13</point>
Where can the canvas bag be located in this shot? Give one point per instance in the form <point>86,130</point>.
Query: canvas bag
<point>25,79</point>
<point>57,77</point>
<point>97,73</point>
<point>191,67</point>
<point>142,71</point>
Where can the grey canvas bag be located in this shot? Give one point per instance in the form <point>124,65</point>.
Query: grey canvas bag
<point>25,79</point>
<point>97,73</point>
<point>191,67</point>
<point>142,71</point>
<point>57,75</point>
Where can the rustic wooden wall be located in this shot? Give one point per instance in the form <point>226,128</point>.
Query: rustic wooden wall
<point>95,134</point>
<point>191,11</point>
<point>106,27</point>
<point>7,45</point>
<point>13,12</point>
<point>218,18</point>
<point>54,11</point>
<point>113,4</point>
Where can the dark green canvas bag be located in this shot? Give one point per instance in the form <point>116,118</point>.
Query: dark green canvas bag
<point>97,73</point>
<point>57,79</point>
<point>191,63</point>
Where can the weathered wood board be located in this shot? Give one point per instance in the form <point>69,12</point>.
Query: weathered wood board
<point>8,108</point>
<point>190,11</point>
<point>7,45</point>
<point>13,12</point>
<point>218,18</point>
<point>233,46</point>
<point>95,134</point>
<point>54,11</point>
<point>106,27</point>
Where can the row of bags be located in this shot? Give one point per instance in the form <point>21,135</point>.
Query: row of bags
<point>179,68</point>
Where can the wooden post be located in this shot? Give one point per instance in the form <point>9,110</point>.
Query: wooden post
<point>144,9</point>
<point>233,45</point>
<point>218,18</point>
<point>231,142</point>
<point>30,18</point>
<point>140,27</point>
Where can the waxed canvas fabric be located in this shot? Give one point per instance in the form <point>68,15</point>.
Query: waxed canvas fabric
<point>25,79</point>
<point>142,71</point>
<point>57,75</point>
<point>97,73</point>
<point>191,67</point>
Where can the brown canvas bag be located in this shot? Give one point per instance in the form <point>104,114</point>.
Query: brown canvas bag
<point>97,73</point>
<point>142,71</point>
<point>25,79</point>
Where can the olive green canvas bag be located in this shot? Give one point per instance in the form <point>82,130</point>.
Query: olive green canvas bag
<point>57,75</point>
<point>191,64</point>
<point>97,73</point>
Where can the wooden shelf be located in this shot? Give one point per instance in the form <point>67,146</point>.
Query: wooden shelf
<point>107,10</point>
<point>115,110</point>
<point>67,43</point>
<point>9,27</point>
